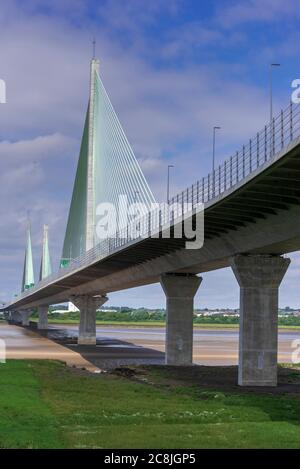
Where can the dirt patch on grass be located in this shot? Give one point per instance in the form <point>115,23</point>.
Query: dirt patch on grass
<point>208,377</point>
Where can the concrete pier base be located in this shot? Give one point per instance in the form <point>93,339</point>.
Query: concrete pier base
<point>25,315</point>
<point>259,277</point>
<point>87,306</point>
<point>180,290</point>
<point>43,317</point>
<point>15,316</point>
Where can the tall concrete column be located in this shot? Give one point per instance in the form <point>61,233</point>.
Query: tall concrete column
<point>87,306</point>
<point>25,315</point>
<point>43,317</point>
<point>259,277</point>
<point>15,316</point>
<point>180,290</point>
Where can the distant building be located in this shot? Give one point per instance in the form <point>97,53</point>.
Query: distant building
<point>218,312</point>
<point>72,308</point>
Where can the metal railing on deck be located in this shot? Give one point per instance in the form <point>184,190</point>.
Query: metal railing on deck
<point>262,147</point>
<point>259,149</point>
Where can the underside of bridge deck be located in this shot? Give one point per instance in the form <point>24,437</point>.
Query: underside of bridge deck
<point>258,216</point>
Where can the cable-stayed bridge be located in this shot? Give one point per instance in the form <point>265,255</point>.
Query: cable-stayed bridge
<point>251,210</point>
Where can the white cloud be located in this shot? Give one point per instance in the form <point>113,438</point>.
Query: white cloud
<point>29,182</point>
<point>240,12</point>
<point>35,149</point>
<point>185,39</point>
<point>131,17</point>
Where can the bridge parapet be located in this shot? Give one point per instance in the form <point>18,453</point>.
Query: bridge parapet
<point>272,139</point>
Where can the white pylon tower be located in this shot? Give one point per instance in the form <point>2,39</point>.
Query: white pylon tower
<point>28,273</point>
<point>107,169</point>
<point>46,267</point>
<point>90,202</point>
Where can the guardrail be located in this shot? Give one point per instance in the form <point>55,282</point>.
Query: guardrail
<point>283,129</point>
<point>266,143</point>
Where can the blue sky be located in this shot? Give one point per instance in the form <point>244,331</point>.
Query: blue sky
<point>173,70</point>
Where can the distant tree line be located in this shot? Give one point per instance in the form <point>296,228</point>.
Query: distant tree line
<point>110,316</point>
<point>143,315</point>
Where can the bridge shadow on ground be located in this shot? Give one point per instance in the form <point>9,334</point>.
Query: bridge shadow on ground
<point>108,353</point>
<point>216,378</point>
<point>255,407</point>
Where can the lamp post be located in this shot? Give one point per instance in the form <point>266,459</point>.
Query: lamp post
<point>168,182</point>
<point>271,108</point>
<point>213,156</point>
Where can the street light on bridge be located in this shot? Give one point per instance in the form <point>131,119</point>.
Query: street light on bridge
<point>168,182</point>
<point>271,108</point>
<point>213,156</point>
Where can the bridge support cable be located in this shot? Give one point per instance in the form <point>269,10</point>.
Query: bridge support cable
<point>180,290</point>
<point>107,169</point>
<point>259,277</point>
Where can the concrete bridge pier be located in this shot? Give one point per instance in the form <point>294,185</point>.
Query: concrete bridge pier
<point>259,277</point>
<point>15,316</point>
<point>180,290</point>
<point>25,315</point>
<point>43,317</point>
<point>87,306</point>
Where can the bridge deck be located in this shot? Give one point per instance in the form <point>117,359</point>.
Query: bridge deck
<point>255,213</point>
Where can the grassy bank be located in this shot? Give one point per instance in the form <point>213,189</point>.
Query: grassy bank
<point>134,323</point>
<point>46,405</point>
<point>138,323</point>
<point>154,324</point>
<point>157,319</point>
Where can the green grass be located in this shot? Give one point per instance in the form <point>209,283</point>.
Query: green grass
<point>44,404</point>
<point>153,324</point>
<point>139,323</point>
<point>26,420</point>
